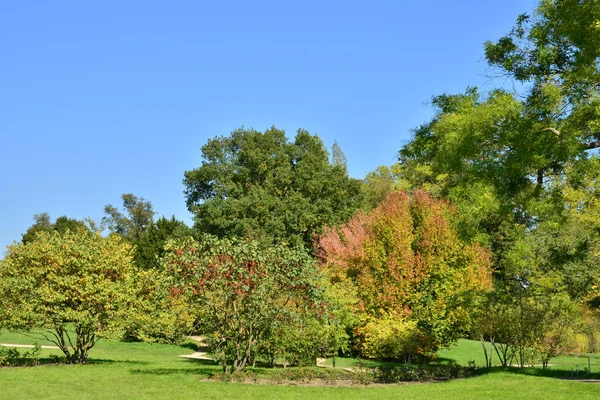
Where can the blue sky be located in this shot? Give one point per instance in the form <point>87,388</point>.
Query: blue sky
<point>103,98</point>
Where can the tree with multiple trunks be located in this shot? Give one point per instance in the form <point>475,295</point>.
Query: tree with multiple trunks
<point>238,290</point>
<point>70,289</point>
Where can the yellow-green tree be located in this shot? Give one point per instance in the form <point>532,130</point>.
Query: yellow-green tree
<point>71,289</point>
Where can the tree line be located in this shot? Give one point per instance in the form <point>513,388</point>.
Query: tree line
<point>488,226</point>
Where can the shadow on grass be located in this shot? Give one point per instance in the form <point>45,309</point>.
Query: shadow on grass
<point>443,360</point>
<point>200,367</point>
<point>175,371</point>
<point>548,373</point>
<point>108,362</point>
<point>191,346</point>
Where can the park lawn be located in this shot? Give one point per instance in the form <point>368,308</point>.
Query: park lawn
<point>150,371</point>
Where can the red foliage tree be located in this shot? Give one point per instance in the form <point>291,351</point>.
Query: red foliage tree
<point>405,258</point>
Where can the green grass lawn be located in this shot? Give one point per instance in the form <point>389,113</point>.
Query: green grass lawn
<point>150,371</point>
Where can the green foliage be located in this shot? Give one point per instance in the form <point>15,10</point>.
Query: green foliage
<point>43,224</point>
<point>157,316</point>
<point>10,357</point>
<point>518,167</point>
<point>150,246</point>
<point>561,41</point>
<point>338,158</point>
<point>134,222</point>
<point>75,286</point>
<point>261,184</point>
<point>378,185</point>
<point>240,292</point>
<point>529,325</point>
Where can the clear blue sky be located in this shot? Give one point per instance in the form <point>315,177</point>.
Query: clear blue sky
<point>109,97</point>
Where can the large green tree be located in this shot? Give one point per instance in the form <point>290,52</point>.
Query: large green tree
<point>262,184</point>
<point>507,159</point>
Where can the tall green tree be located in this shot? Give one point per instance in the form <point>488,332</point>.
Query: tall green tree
<point>150,246</point>
<point>262,184</point>
<point>505,159</point>
<point>135,219</point>
<point>338,158</point>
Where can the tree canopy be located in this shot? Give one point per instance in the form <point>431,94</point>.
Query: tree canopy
<point>71,283</point>
<point>239,291</point>
<point>261,184</point>
<point>138,216</point>
<point>43,224</point>
<point>406,260</point>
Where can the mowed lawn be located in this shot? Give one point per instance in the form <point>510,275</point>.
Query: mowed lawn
<point>151,371</point>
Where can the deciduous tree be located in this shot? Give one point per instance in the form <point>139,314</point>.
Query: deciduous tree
<point>261,184</point>
<point>238,290</point>
<point>71,289</point>
<point>43,223</point>
<point>138,216</point>
<point>406,259</point>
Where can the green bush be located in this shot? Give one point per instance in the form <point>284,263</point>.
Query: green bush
<point>10,357</point>
<point>394,337</point>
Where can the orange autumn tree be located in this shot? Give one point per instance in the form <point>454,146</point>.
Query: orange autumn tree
<point>416,280</point>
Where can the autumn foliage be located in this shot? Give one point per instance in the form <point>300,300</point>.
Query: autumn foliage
<point>406,259</point>
<point>239,291</point>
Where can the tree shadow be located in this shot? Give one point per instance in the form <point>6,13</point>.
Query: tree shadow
<point>108,362</point>
<point>443,360</point>
<point>540,372</point>
<point>200,367</point>
<point>191,346</point>
<point>174,371</point>
<point>200,361</point>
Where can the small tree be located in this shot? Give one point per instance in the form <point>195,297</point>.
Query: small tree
<point>71,288</point>
<point>559,326</point>
<point>238,290</point>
